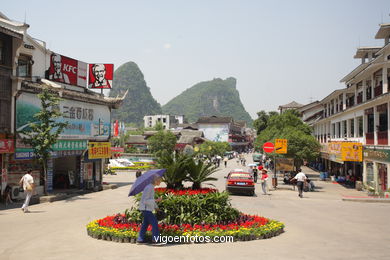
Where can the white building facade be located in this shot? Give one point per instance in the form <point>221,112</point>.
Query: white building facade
<point>359,115</point>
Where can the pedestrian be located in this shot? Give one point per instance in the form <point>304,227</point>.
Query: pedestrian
<point>27,182</point>
<point>138,173</point>
<point>238,160</point>
<point>219,160</point>
<point>254,170</point>
<point>147,205</point>
<point>7,195</point>
<point>301,181</point>
<point>225,160</point>
<point>264,179</point>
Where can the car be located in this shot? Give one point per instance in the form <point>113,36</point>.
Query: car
<point>240,181</point>
<point>257,157</point>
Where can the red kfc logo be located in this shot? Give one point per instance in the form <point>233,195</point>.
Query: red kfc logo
<point>101,76</point>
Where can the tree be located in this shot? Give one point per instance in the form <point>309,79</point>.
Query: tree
<point>176,166</point>
<point>200,172</point>
<point>261,122</point>
<point>301,144</point>
<point>162,141</point>
<point>44,132</point>
<point>210,148</point>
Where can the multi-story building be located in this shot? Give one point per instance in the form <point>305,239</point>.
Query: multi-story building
<point>26,68</point>
<point>357,117</point>
<point>224,129</point>
<point>167,121</point>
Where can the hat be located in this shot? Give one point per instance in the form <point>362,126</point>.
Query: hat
<point>264,170</point>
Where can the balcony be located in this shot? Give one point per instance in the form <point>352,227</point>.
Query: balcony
<point>369,138</point>
<point>382,138</point>
<point>378,91</point>
<point>359,99</point>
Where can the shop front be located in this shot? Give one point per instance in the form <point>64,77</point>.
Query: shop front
<point>376,165</point>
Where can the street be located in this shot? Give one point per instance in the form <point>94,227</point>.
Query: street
<point>318,226</point>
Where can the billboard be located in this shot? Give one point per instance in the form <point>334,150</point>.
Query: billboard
<point>67,70</point>
<point>85,120</point>
<point>216,133</point>
<point>100,76</point>
<point>99,150</point>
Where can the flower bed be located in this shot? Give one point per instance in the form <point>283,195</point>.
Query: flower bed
<point>182,192</point>
<point>247,227</point>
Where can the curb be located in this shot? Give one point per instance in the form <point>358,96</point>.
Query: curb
<point>367,200</point>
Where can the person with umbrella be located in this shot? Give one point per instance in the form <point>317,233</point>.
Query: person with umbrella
<point>148,204</point>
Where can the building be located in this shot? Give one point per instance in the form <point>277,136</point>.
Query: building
<point>168,121</point>
<point>292,105</point>
<point>354,128</point>
<point>224,129</point>
<point>73,163</point>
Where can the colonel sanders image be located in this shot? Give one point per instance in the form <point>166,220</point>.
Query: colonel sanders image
<point>99,73</point>
<point>58,75</point>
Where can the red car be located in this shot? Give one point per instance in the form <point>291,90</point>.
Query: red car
<point>239,181</point>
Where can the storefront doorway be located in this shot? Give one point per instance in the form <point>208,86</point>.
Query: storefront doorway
<point>66,172</point>
<point>382,176</point>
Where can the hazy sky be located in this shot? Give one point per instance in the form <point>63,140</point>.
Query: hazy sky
<point>279,51</point>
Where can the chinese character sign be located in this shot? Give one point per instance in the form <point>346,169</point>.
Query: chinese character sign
<point>66,70</point>
<point>352,152</point>
<point>281,146</point>
<point>99,150</point>
<point>100,76</point>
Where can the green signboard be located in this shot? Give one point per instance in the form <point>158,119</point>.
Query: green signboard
<point>62,145</point>
<point>377,155</point>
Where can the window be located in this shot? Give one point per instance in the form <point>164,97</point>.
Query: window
<point>352,127</point>
<point>334,130</point>
<point>164,120</point>
<point>360,126</point>
<point>370,123</point>
<point>382,122</point>
<point>24,66</point>
<point>338,135</point>
<point>345,128</point>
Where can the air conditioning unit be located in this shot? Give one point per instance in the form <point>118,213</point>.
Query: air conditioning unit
<point>16,194</point>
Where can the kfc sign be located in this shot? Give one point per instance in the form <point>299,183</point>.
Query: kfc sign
<point>66,70</point>
<point>100,75</point>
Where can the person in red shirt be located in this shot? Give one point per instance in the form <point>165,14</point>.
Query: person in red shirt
<point>264,179</point>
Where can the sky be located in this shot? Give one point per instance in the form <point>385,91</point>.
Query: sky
<point>278,51</point>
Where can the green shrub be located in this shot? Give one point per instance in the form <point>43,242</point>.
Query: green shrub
<point>211,208</point>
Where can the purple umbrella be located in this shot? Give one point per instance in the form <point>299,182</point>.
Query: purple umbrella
<point>144,180</point>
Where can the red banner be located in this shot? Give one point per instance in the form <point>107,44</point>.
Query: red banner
<point>116,128</point>
<point>100,76</point>
<point>7,146</point>
<point>66,70</point>
<point>117,149</point>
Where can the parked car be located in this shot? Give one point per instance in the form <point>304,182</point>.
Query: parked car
<point>240,181</point>
<point>257,157</point>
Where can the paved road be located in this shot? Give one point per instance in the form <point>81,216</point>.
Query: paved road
<point>319,226</point>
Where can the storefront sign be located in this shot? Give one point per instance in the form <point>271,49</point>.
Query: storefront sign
<point>117,149</point>
<point>100,76</point>
<point>85,120</point>
<point>70,145</point>
<point>352,152</point>
<point>377,155</point>
<point>30,155</point>
<point>6,146</point>
<point>88,171</point>
<point>99,150</point>
<point>67,70</point>
<point>345,152</point>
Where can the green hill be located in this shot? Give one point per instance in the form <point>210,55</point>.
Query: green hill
<point>216,97</point>
<point>139,101</point>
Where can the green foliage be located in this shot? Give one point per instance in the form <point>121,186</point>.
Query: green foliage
<point>162,141</point>
<point>200,172</point>
<point>139,100</point>
<point>210,208</point>
<point>44,132</point>
<point>301,144</point>
<point>210,148</point>
<point>176,165</point>
<point>216,97</point>
<point>261,122</point>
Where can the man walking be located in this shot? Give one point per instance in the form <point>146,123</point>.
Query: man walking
<point>28,186</point>
<point>301,179</point>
